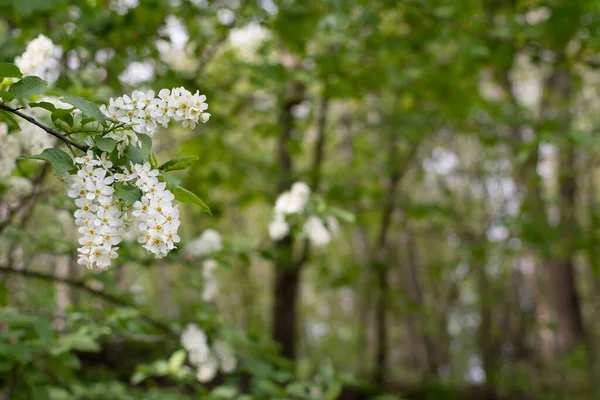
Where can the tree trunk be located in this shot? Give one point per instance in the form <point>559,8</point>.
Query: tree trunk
<point>287,271</point>
<point>285,308</point>
<point>562,269</point>
<point>381,326</point>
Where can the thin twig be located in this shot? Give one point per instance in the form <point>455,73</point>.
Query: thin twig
<point>82,286</point>
<point>44,127</point>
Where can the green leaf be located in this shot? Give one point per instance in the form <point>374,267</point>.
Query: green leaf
<point>179,163</point>
<point>187,197</point>
<point>43,104</point>
<point>138,377</point>
<point>88,108</point>
<point>146,140</point>
<point>171,180</point>
<point>10,119</point>
<point>60,161</point>
<point>28,86</point>
<point>106,144</point>
<point>342,214</point>
<point>130,194</point>
<point>63,115</point>
<point>5,96</point>
<point>138,155</point>
<point>176,361</point>
<point>154,159</point>
<point>9,71</point>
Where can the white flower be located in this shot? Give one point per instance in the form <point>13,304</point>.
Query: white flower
<point>207,370</point>
<point>317,233</point>
<point>160,219</point>
<point>144,112</point>
<point>293,201</point>
<point>210,284</point>
<point>225,355</point>
<point>278,228</point>
<point>301,190</point>
<point>332,225</point>
<point>193,339</point>
<point>99,217</point>
<point>208,242</point>
<point>41,58</point>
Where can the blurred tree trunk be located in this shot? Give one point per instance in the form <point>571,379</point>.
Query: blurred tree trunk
<point>486,335</point>
<point>287,270</point>
<point>562,265</point>
<point>398,168</point>
<point>423,344</point>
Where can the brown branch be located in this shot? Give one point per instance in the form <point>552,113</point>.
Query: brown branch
<point>82,286</point>
<point>49,130</point>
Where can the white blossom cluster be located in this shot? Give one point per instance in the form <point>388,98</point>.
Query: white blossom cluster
<point>104,221</point>
<point>41,58</point>
<point>122,7</point>
<point>145,111</point>
<point>292,202</point>
<point>207,243</point>
<point>158,216</point>
<point>98,216</point>
<point>207,360</point>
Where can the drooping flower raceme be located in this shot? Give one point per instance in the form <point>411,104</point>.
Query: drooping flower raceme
<point>98,216</point>
<point>315,230</point>
<point>293,203</point>
<point>288,203</point>
<point>159,218</point>
<point>105,221</point>
<point>41,58</point>
<point>207,361</point>
<point>210,287</point>
<point>207,243</point>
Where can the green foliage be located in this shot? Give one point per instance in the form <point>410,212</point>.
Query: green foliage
<point>397,83</point>
<point>60,161</point>
<point>9,71</point>
<point>187,197</point>
<point>178,163</point>
<point>28,86</point>
<point>106,144</point>
<point>130,194</point>
<point>88,108</point>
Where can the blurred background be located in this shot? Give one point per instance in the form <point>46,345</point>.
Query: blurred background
<point>462,136</point>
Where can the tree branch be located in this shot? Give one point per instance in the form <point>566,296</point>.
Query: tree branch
<point>82,286</point>
<point>51,131</point>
